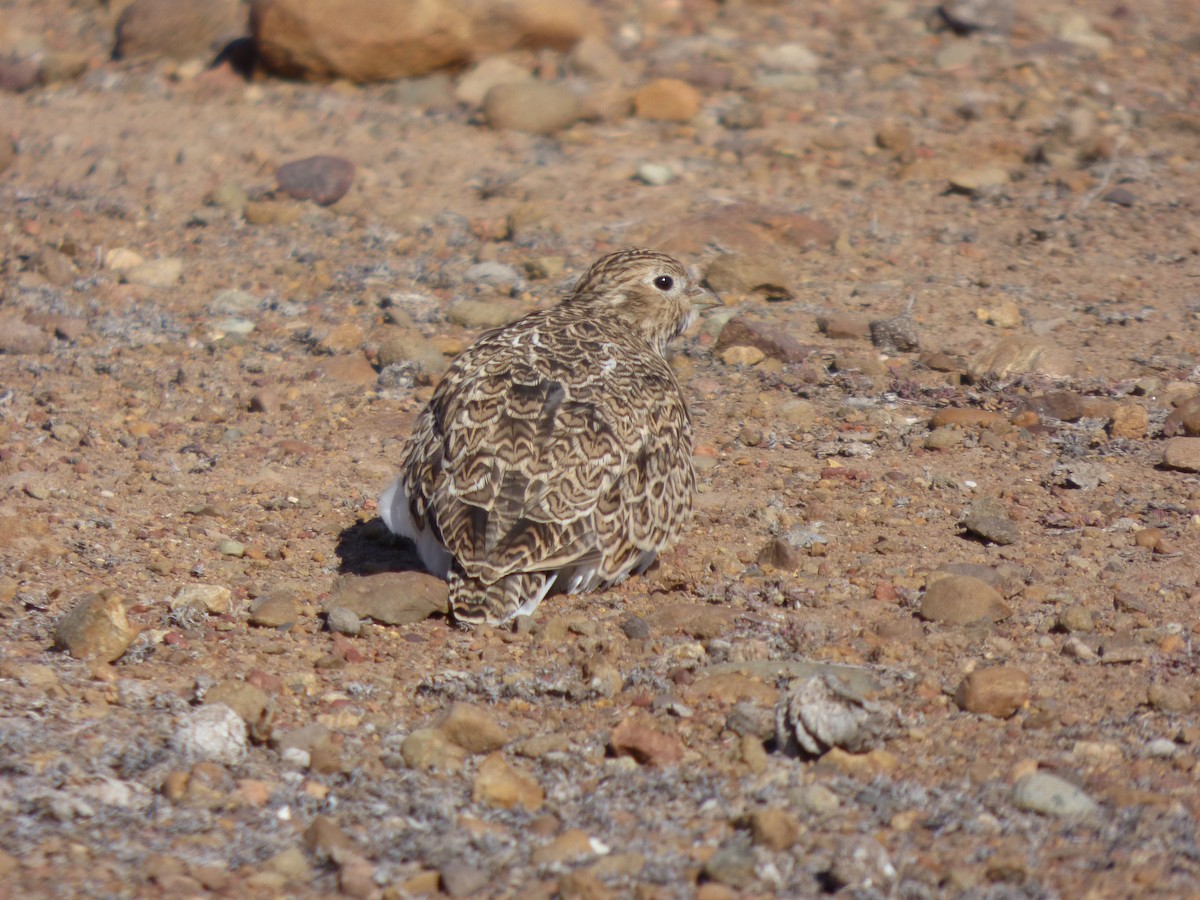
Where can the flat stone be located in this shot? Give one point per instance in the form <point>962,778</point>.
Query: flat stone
<point>429,749</point>
<point>275,610</point>
<point>473,728</point>
<point>988,518</point>
<point>95,627</point>
<point>701,621</point>
<point>966,417</point>
<point>156,273</point>
<point>500,785</point>
<point>1020,355</point>
<point>534,107</point>
<point>766,336</point>
<point>996,691</point>
<point>1130,421</point>
<point>464,880</point>
<point>645,743</point>
<point>321,179</point>
<point>245,699</point>
<point>667,99</point>
<point>1050,795</point>
<point>213,732</point>
<point>390,598</point>
<point>343,621</point>
<point>739,273</point>
<point>1182,453</point>
<point>775,829</point>
<point>180,29</point>
<point>214,599</point>
<point>962,600</point>
<point>572,845</point>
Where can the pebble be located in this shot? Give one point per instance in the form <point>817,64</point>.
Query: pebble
<point>743,273</point>
<point>962,600</point>
<point>636,628</point>
<point>470,313</point>
<point>156,273</point>
<point>732,863</point>
<point>971,181</point>
<point>766,336</point>
<point>966,16</point>
<point>1075,618</point>
<point>236,303</point>
<point>996,691</point>
<point>274,610</point>
<point>1182,453</point>
<point>1129,421</point>
<point>499,785</point>
<point>464,880</point>
<point>655,174</point>
<point>700,620</point>
<point>1077,29</point>
<point>775,829</point>
<point>95,627</point>
<point>534,107</point>
<point>213,732</point>
<point>791,57</point>
<point>1184,419</point>
<point>821,713</point>
<point>268,212</point>
<point>231,548</point>
<point>1006,315</point>
<point>179,29</point>
<point>343,621</point>
<point>572,845</point>
<point>390,598</point>
<point>473,728</point>
<point>18,336</point>
<point>494,273</point>
<point>428,749</point>
<point>844,326</point>
<point>944,438</point>
<point>1168,698</point>
<point>988,518</point>
<point>742,356</point>
<point>1050,795</point>
<point>666,99</point>
<point>594,58</point>
<point>1066,406</point>
<point>818,800</point>
<point>860,863</point>
<point>214,599</point>
<point>475,83</point>
<point>645,744</point>
<point>245,699</point>
<point>122,259</point>
<point>322,179</point>
<point>397,346</point>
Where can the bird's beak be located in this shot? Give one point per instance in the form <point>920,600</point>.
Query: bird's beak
<point>703,299</point>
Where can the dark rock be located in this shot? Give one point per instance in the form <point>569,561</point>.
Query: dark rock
<point>322,179</point>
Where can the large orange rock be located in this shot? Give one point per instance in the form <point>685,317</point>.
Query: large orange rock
<point>380,40</point>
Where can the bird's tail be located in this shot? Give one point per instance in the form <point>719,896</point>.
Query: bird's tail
<point>473,600</point>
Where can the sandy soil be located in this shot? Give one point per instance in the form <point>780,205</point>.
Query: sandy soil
<point>1031,201</point>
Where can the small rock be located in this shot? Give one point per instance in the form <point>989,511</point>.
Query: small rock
<point>860,863</point>
<point>766,336</point>
<point>343,621</point>
<point>645,744</point>
<point>593,58</point>
<point>213,599</point>
<point>429,749</point>
<point>473,728</point>
<point>470,313</point>
<point>231,548</point>
<point>943,439</point>
<point>1077,30</point>
<point>266,212</point>
<point>500,785</point>
<point>775,829</point>
<point>326,840</point>
<point>1050,795</point>
<point>636,628</point>
<point>820,713</point>
<point>732,863</point>
<point>1075,618</point>
<point>1184,419</point>
<point>1120,197</point>
<point>18,75</point>
<point>1130,421</point>
<point>742,356</point>
<point>667,99</point>
<point>179,29</point>
<point>95,627</point>
<point>844,326</point>
<point>321,179</point>
<point>245,699</point>
<point>570,846</point>
<point>972,181</point>
<point>1066,406</point>
<point>1006,315</point>
<point>792,57</point>
<point>19,337</point>
<point>122,259</point>
<point>274,610</point>
<point>655,174</point>
<point>464,880</point>
<point>966,16</point>
<point>390,598</point>
<point>1169,699</point>
<point>700,620</point>
<point>747,273</point>
<point>997,691</point>
<point>473,86</point>
<point>988,518</point>
<point>962,600</point>
<point>1182,453</point>
<point>214,732</point>
<point>156,273</point>
<point>534,107</point>
<point>497,274</point>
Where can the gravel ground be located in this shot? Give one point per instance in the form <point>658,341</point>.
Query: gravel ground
<point>931,631</point>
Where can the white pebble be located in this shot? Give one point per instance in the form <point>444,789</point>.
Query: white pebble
<point>213,732</point>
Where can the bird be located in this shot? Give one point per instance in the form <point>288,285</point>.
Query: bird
<point>556,452</point>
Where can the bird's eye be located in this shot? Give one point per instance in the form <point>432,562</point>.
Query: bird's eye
<point>664,282</point>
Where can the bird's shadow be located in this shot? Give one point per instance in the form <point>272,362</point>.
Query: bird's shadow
<point>368,548</point>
